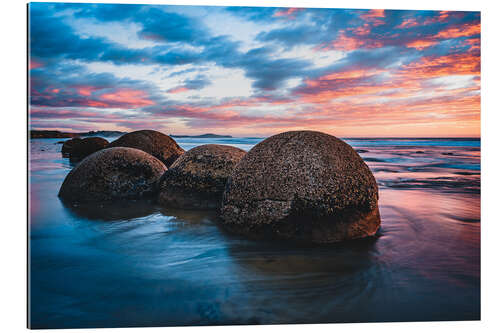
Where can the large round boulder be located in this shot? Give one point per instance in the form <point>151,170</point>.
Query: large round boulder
<point>86,147</point>
<point>68,145</point>
<point>197,179</point>
<point>303,186</point>
<point>155,143</point>
<point>114,173</point>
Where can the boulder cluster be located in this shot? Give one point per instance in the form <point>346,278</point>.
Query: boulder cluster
<point>301,186</point>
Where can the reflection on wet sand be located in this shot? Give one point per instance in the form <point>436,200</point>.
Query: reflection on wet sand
<point>111,211</point>
<point>289,259</point>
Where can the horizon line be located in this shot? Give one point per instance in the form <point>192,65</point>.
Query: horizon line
<point>260,136</point>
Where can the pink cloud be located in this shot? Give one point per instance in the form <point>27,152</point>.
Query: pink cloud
<point>374,16</point>
<point>62,113</point>
<point>408,23</point>
<point>362,30</point>
<point>343,42</point>
<point>177,90</point>
<point>85,90</point>
<point>288,13</point>
<point>34,64</point>
<point>421,44</point>
<point>436,66</point>
<point>129,97</point>
<point>465,30</point>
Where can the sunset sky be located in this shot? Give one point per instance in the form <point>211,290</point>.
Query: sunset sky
<point>254,71</point>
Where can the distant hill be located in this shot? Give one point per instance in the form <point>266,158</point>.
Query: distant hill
<point>202,136</point>
<point>51,134</point>
<point>103,133</point>
<point>34,134</point>
<point>57,134</point>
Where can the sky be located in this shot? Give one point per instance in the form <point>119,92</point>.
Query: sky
<point>254,71</point>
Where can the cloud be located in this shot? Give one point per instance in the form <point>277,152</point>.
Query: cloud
<point>164,27</point>
<point>435,66</point>
<point>50,37</point>
<point>289,13</point>
<point>52,88</point>
<point>255,13</point>
<point>381,68</point>
<point>350,30</point>
<point>269,73</point>
<point>199,82</point>
<point>171,27</point>
<point>291,36</point>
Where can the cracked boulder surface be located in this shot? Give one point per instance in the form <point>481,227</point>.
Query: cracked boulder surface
<point>197,179</point>
<point>161,146</point>
<point>303,186</point>
<point>86,147</point>
<point>68,145</point>
<point>113,173</point>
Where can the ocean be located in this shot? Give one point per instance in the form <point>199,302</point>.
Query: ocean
<point>138,264</point>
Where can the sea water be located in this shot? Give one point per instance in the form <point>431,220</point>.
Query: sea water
<point>139,264</point>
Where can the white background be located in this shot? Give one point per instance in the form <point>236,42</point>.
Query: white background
<point>13,173</point>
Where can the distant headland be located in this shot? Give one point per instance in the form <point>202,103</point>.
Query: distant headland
<point>35,134</point>
<point>205,136</point>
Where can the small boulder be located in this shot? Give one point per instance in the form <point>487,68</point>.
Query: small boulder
<point>68,145</point>
<point>114,173</point>
<point>197,179</point>
<point>302,186</point>
<point>87,146</point>
<point>155,143</point>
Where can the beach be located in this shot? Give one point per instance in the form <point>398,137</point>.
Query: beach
<point>139,264</point>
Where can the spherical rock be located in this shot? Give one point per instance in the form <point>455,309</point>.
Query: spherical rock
<point>155,143</point>
<point>197,179</point>
<point>68,145</point>
<point>87,146</point>
<point>113,173</point>
<point>302,186</point>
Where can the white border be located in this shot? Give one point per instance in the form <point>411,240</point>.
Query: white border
<point>13,165</point>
